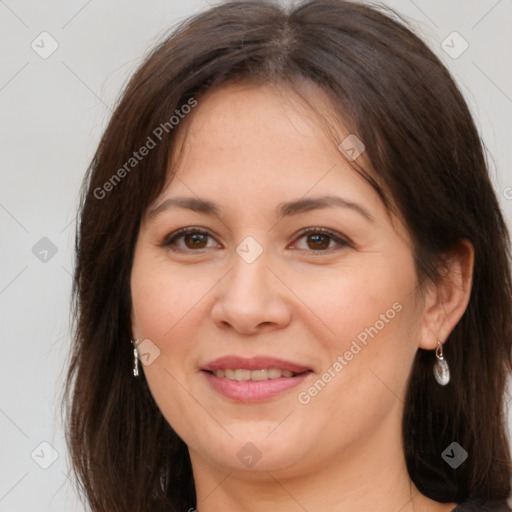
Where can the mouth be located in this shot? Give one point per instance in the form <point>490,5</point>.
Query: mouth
<point>242,375</point>
<point>255,379</point>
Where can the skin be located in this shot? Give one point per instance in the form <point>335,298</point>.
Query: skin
<point>249,148</point>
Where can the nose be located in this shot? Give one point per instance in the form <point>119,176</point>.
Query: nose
<point>251,298</point>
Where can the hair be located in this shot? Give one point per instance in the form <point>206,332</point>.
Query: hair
<point>427,158</point>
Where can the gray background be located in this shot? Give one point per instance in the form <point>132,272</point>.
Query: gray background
<point>53,111</point>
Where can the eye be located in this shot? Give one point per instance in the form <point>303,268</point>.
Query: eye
<point>319,240</point>
<point>194,238</point>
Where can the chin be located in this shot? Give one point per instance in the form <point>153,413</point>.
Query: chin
<point>255,453</point>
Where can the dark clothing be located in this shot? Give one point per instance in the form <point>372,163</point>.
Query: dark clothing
<point>482,506</point>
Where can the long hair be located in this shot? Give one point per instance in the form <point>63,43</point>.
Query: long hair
<point>426,158</point>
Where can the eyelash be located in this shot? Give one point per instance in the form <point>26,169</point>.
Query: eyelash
<point>170,239</point>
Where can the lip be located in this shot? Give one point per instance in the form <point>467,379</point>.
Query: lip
<point>253,391</point>
<point>253,363</point>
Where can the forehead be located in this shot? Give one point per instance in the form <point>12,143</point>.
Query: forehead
<point>251,147</point>
<point>250,150</point>
<point>267,131</point>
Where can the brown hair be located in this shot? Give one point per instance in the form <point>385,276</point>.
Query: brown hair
<point>421,141</point>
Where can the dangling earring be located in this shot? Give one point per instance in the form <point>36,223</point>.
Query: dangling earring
<point>441,370</point>
<point>135,359</point>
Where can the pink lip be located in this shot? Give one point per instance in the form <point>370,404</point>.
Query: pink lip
<point>253,363</point>
<point>253,391</point>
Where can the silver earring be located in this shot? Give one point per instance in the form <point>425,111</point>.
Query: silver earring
<point>441,369</point>
<point>135,359</point>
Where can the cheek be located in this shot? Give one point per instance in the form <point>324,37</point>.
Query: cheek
<point>165,309</point>
<point>165,306</point>
<point>359,302</point>
<point>162,298</point>
<point>369,317</point>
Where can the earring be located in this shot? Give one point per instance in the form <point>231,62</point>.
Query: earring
<point>135,359</point>
<point>441,369</point>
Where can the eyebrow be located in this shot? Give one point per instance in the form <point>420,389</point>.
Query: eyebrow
<point>283,209</point>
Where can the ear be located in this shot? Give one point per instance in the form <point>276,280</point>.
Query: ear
<point>445,303</point>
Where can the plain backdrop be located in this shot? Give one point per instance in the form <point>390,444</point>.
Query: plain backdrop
<point>53,111</point>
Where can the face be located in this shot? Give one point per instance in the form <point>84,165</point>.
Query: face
<point>280,335</point>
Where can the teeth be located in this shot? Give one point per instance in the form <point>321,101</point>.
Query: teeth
<point>242,374</point>
<point>259,374</point>
<point>254,375</point>
<point>273,373</point>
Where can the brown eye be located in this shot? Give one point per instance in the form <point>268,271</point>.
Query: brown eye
<point>319,240</point>
<point>193,239</point>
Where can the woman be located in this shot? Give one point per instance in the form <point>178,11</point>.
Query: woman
<point>290,218</point>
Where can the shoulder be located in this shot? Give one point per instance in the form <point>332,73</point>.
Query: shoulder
<point>480,505</point>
